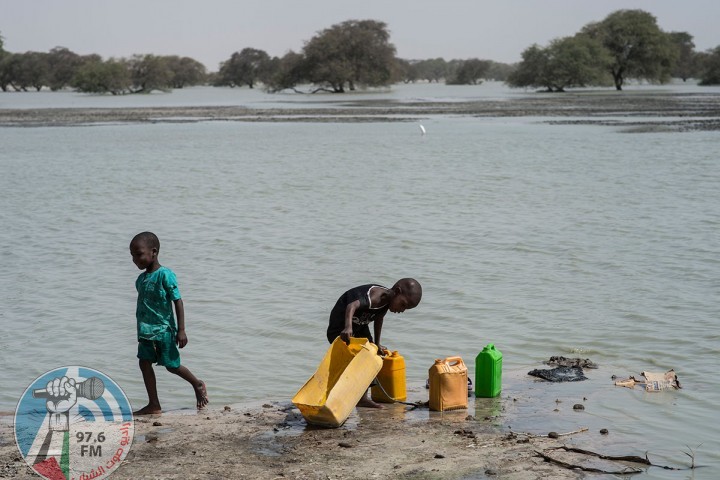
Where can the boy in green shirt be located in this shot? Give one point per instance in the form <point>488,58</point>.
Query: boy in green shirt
<point>158,334</point>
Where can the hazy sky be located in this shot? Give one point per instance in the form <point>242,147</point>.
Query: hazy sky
<point>211,30</point>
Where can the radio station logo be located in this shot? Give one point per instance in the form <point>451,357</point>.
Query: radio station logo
<point>74,423</point>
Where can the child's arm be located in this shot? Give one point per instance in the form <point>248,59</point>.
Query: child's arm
<point>181,338</point>
<point>377,327</point>
<point>348,330</point>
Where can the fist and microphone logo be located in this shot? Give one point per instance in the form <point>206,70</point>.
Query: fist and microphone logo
<point>74,423</point>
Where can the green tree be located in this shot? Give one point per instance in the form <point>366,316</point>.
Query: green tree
<point>63,65</point>
<point>533,69</point>
<point>352,53</point>
<point>685,66</point>
<point>96,76</point>
<point>710,67</point>
<point>31,70</point>
<point>185,71</point>
<point>405,71</point>
<point>9,66</point>
<point>247,67</point>
<point>432,70</point>
<point>470,72</point>
<point>286,72</point>
<point>499,71</point>
<point>148,73</point>
<point>567,62</point>
<point>639,49</point>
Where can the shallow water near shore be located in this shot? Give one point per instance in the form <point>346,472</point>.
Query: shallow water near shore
<point>576,240</point>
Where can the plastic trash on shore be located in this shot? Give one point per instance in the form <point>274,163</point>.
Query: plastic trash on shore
<point>340,381</point>
<point>652,382</point>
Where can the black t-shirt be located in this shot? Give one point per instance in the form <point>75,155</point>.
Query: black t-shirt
<point>364,314</point>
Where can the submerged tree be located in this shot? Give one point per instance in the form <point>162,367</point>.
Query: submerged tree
<point>9,64</point>
<point>639,49</point>
<point>432,69</point>
<point>247,67</point>
<point>63,64</point>
<point>469,72</point>
<point>499,71</point>
<point>533,70</point>
<point>149,72</point>
<point>685,66</point>
<point>286,72</point>
<point>350,54</point>
<point>710,67</point>
<point>96,76</point>
<point>30,70</point>
<point>567,62</point>
<point>185,71</point>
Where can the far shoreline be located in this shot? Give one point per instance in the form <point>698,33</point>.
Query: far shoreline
<point>638,111</point>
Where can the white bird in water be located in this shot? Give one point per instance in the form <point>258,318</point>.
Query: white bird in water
<point>422,129</point>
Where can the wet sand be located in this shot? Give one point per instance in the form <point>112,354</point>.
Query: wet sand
<point>272,441</point>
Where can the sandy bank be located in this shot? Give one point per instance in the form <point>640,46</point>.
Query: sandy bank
<point>272,441</point>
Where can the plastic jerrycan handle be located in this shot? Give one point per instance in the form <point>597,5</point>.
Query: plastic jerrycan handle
<point>452,361</point>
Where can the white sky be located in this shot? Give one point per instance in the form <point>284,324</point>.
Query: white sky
<point>211,30</point>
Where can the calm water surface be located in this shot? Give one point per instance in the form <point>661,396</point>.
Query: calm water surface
<point>542,239</point>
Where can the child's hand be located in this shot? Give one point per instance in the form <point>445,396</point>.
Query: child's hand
<point>181,338</point>
<point>345,336</point>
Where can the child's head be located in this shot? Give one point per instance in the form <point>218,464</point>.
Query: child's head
<point>144,249</point>
<point>408,293</point>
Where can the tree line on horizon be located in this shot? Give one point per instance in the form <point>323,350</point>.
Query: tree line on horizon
<point>627,44</point>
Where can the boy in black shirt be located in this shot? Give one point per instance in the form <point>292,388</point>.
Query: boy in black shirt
<point>359,306</point>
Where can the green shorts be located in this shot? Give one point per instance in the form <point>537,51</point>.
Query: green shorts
<point>163,350</point>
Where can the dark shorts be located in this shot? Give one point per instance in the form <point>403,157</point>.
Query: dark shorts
<point>359,331</point>
<point>163,350</point>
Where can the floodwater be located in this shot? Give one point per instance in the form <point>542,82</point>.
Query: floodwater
<point>575,240</point>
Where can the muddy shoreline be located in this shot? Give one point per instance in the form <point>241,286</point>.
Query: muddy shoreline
<point>272,441</point>
<point>641,111</point>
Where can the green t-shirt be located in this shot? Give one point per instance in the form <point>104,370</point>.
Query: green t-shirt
<point>156,293</point>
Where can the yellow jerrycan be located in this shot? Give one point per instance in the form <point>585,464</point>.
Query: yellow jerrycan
<point>346,371</point>
<point>448,384</point>
<point>391,378</point>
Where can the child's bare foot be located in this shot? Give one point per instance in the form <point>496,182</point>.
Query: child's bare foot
<point>201,395</point>
<point>368,403</point>
<point>149,410</point>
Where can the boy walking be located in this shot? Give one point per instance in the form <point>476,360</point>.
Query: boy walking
<point>159,335</point>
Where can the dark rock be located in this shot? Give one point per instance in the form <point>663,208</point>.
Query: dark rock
<point>560,374</point>
<point>578,406</point>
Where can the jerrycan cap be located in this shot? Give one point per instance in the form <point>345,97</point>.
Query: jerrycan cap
<point>438,361</point>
